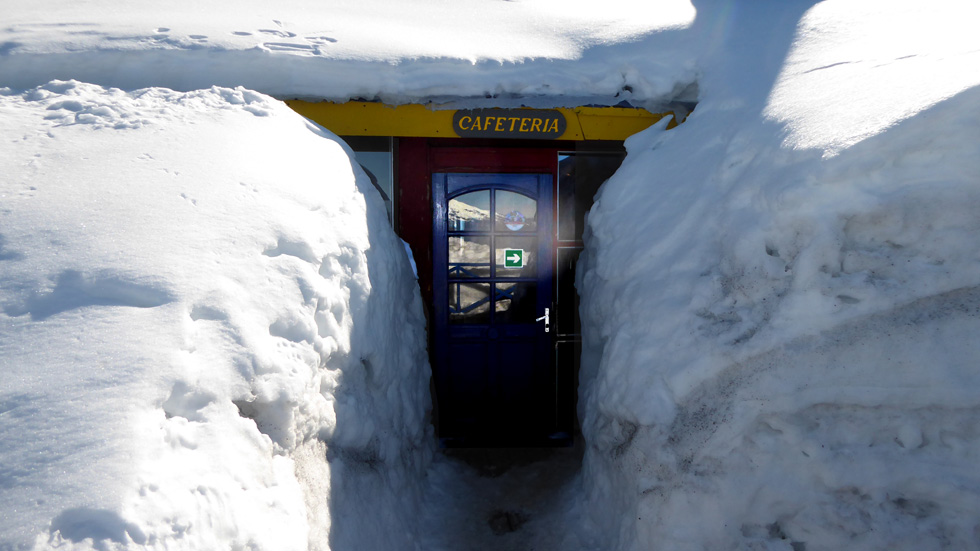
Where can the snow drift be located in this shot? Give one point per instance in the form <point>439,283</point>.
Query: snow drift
<point>210,335</point>
<point>781,297</point>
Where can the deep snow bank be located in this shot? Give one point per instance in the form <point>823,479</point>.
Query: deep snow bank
<point>780,304</point>
<point>201,303</point>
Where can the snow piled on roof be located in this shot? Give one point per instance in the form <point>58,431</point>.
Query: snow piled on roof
<point>401,52</point>
<point>202,303</point>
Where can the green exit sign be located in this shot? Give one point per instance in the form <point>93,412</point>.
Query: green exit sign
<point>513,258</point>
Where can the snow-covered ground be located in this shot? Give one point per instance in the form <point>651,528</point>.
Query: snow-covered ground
<point>210,338</point>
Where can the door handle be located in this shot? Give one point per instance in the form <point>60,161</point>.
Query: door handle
<point>547,320</point>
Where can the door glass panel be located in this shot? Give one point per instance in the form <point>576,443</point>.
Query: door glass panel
<point>579,178</point>
<point>515,212</point>
<point>469,302</point>
<point>374,154</point>
<point>504,255</point>
<point>469,256</point>
<point>470,212</point>
<point>565,316</point>
<point>515,302</point>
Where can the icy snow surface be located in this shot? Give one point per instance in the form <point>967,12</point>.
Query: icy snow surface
<point>201,302</point>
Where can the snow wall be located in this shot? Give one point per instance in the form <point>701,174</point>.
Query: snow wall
<point>210,336</point>
<point>781,297</point>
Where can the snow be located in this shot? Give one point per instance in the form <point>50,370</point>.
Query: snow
<point>846,79</point>
<point>401,52</point>
<point>202,301</point>
<point>211,338</point>
<point>780,297</point>
<point>501,499</point>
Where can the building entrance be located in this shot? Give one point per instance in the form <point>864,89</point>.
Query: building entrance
<point>492,202</point>
<point>493,360</point>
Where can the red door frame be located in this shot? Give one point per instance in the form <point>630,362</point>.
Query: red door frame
<point>418,158</point>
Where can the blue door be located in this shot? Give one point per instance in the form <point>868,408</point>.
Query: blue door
<point>493,363</point>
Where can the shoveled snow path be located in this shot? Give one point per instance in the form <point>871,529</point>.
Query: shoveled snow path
<point>501,500</point>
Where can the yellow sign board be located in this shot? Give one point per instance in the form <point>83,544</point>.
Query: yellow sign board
<point>355,118</point>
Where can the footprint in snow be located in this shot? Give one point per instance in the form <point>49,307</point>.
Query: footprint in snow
<point>504,522</point>
<point>321,39</point>
<point>280,34</point>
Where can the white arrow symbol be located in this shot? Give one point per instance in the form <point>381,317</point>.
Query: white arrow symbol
<point>514,258</point>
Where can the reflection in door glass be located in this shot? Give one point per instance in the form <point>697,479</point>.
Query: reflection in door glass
<point>469,303</point>
<point>515,302</point>
<point>470,212</point>
<point>469,256</point>
<point>515,212</point>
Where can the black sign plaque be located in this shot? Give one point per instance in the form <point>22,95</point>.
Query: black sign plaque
<point>532,124</point>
